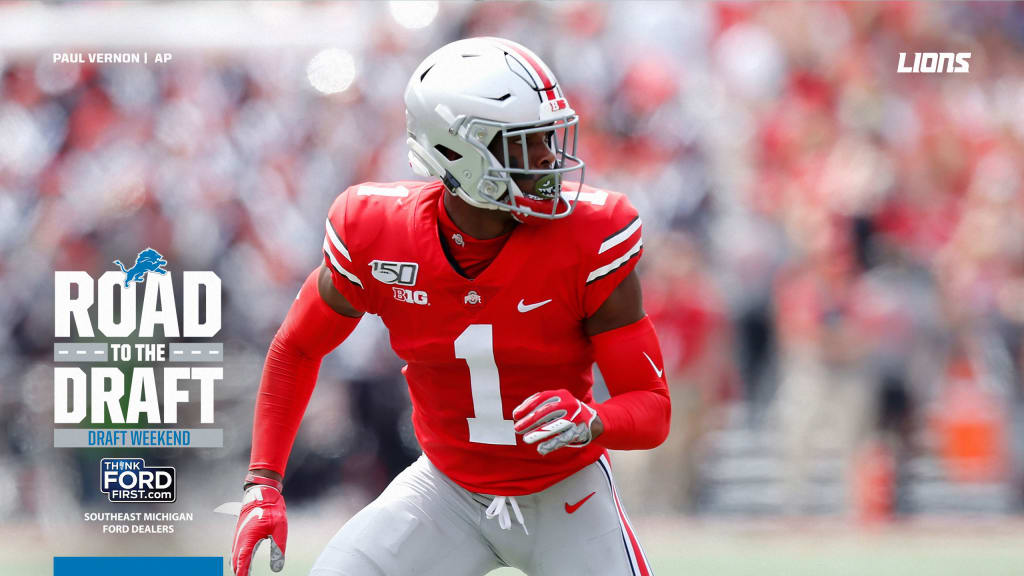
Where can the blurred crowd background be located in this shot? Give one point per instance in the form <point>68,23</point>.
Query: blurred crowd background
<point>835,252</point>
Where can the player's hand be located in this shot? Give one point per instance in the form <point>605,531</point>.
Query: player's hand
<point>555,418</point>
<point>262,517</point>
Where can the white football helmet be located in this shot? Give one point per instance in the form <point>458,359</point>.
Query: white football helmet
<point>470,91</point>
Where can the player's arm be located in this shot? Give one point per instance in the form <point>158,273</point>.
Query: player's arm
<point>626,349</point>
<point>318,321</point>
<point>302,344</point>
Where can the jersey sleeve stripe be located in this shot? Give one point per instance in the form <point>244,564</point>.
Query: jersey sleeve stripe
<point>620,236</point>
<point>607,269</point>
<point>337,267</point>
<point>336,242</point>
<point>597,197</point>
<point>390,191</point>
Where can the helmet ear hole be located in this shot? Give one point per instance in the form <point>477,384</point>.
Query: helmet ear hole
<point>448,153</point>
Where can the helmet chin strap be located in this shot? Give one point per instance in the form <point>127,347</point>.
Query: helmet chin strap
<point>519,213</point>
<point>472,202</point>
<point>512,190</point>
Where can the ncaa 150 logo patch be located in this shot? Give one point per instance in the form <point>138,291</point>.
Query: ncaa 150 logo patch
<point>401,273</point>
<point>130,480</point>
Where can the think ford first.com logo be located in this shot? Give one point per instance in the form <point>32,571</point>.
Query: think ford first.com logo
<point>131,480</point>
<point>935,63</point>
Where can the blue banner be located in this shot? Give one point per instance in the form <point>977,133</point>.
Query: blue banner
<point>138,566</point>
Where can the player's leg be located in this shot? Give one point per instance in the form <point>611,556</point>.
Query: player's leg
<point>581,528</point>
<point>422,524</point>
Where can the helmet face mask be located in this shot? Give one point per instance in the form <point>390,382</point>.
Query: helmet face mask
<point>475,111</point>
<point>528,189</point>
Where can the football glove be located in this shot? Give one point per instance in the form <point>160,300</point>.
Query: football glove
<point>554,418</point>
<point>262,517</point>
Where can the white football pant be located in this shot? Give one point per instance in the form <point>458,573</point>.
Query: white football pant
<point>425,524</point>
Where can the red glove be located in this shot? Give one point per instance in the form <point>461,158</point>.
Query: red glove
<point>262,517</point>
<point>555,418</point>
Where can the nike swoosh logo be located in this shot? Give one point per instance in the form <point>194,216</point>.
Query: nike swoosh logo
<point>256,513</point>
<point>524,307</point>
<point>569,509</point>
<point>656,371</point>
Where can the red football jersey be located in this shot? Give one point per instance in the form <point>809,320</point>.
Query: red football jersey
<point>476,348</point>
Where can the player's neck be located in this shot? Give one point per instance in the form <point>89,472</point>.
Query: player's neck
<point>478,223</point>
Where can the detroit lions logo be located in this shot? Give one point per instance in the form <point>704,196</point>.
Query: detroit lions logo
<point>148,260</point>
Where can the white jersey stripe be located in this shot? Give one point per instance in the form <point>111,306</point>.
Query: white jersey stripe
<point>597,197</point>
<point>620,237</point>
<point>610,267</point>
<point>336,242</point>
<point>391,191</point>
<point>337,267</point>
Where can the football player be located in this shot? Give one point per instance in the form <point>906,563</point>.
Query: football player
<point>501,281</point>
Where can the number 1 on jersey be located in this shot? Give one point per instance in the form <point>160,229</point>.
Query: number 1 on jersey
<point>476,346</point>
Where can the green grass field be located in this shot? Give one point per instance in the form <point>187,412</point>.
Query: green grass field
<point>780,549</point>
<point>676,548</point>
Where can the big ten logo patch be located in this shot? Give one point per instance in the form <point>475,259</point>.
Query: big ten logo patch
<point>411,296</point>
